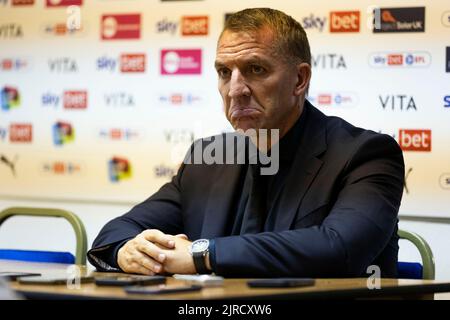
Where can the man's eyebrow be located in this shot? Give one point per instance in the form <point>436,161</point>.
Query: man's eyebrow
<point>218,64</point>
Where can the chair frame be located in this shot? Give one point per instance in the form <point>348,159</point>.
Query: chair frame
<point>73,219</point>
<point>425,252</point>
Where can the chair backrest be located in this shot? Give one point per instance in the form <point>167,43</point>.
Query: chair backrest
<point>414,270</point>
<point>45,256</point>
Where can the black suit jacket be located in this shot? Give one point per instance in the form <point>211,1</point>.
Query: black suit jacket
<point>337,213</point>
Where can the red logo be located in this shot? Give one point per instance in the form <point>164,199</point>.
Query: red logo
<point>75,99</point>
<point>22,2</point>
<point>21,132</point>
<point>344,21</point>
<point>324,99</point>
<point>121,26</point>
<point>415,140</point>
<point>395,59</point>
<point>181,61</point>
<point>194,26</point>
<point>132,62</point>
<point>64,3</point>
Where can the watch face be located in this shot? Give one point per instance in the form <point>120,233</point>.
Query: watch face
<point>200,245</point>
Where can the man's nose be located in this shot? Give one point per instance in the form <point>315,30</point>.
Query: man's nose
<point>238,86</point>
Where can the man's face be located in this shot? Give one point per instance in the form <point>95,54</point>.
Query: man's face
<point>256,85</point>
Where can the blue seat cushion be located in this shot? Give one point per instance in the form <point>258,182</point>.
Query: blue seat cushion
<point>409,270</point>
<point>37,256</point>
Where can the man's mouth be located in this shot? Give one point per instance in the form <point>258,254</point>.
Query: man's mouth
<point>243,112</point>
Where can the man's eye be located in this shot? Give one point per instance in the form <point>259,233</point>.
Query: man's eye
<point>255,69</point>
<point>223,72</point>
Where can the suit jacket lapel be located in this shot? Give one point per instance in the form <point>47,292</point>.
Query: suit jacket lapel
<point>304,169</point>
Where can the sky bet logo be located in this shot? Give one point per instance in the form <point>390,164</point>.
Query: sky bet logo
<point>415,140</point>
<point>72,99</point>
<point>121,26</point>
<point>344,21</point>
<point>63,133</point>
<point>312,22</point>
<point>129,63</point>
<point>190,26</point>
<point>119,169</point>
<point>9,98</point>
<point>447,102</point>
<point>21,132</point>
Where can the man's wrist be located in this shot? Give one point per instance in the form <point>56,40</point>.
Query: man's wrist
<point>207,262</point>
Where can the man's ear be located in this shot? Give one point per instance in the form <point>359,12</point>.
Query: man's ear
<point>303,78</point>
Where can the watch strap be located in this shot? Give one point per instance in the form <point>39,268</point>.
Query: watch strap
<point>199,262</point>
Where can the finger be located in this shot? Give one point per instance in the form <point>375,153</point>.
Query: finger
<point>147,262</point>
<point>156,236</point>
<point>151,250</point>
<point>182,235</point>
<point>139,269</point>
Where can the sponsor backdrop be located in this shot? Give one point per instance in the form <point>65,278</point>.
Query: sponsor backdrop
<point>100,99</point>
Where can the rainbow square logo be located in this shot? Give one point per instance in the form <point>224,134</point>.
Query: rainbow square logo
<point>9,98</point>
<point>119,169</point>
<point>63,133</point>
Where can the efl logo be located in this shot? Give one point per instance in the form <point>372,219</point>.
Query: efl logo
<point>121,26</point>
<point>63,3</point>
<point>21,132</point>
<point>22,2</point>
<point>63,133</point>
<point>344,21</point>
<point>61,168</point>
<point>410,19</point>
<point>194,26</point>
<point>60,29</point>
<point>75,99</point>
<point>119,134</point>
<point>132,62</point>
<point>400,59</point>
<point>180,62</point>
<point>9,98</point>
<point>119,169</point>
<point>415,139</point>
<point>334,100</point>
<point>178,99</point>
<point>13,64</point>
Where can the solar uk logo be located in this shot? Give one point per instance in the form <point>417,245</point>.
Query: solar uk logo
<point>408,19</point>
<point>9,98</point>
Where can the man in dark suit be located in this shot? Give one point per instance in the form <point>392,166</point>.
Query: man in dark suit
<point>330,210</point>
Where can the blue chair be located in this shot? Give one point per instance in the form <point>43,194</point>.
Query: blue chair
<point>415,270</point>
<point>48,256</point>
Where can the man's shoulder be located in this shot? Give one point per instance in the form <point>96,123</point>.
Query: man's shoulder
<point>340,131</point>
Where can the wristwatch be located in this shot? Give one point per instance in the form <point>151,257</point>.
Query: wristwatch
<point>199,249</point>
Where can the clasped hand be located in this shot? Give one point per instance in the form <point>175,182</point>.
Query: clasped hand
<point>154,252</point>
